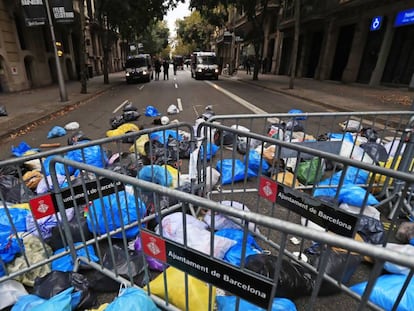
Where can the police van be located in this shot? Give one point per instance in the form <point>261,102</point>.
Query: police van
<point>204,65</point>
<point>138,68</point>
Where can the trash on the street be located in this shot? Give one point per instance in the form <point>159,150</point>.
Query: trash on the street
<point>56,131</point>
<point>151,111</point>
<point>173,109</point>
<point>3,111</point>
<point>72,126</point>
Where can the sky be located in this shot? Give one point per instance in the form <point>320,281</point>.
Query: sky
<point>178,13</point>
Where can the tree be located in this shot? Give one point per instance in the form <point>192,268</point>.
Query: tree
<point>256,13</point>
<point>127,18</point>
<point>155,38</point>
<point>194,31</point>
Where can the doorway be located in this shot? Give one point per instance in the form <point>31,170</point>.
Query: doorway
<point>343,47</point>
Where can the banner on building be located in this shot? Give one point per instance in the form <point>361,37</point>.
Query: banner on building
<point>62,11</point>
<point>34,12</point>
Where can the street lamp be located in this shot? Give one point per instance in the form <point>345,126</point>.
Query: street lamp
<point>62,87</point>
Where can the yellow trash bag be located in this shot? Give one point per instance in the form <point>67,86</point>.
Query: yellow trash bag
<point>380,179</point>
<point>197,290</point>
<point>174,174</point>
<point>139,145</point>
<point>100,308</point>
<point>122,129</point>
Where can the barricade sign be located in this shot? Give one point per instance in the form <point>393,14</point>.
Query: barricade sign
<point>257,290</point>
<point>46,205</point>
<point>322,214</point>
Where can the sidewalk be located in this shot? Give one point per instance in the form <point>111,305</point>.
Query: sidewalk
<point>27,108</point>
<point>331,94</point>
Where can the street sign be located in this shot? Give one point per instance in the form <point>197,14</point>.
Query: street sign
<point>404,18</point>
<point>376,23</point>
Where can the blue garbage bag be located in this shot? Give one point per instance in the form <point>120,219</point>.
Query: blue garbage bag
<point>162,136</point>
<point>353,176</point>
<point>21,149</point>
<point>65,263</point>
<point>66,300</point>
<point>386,291</point>
<point>151,111</point>
<point>225,303</point>
<point>132,299</point>
<point>127,209</point>
<point>211,151</point>
<point>297,111</point>
<point>156,174</point>
<point>18,216</point>
<point>56,131</point>
<point>233,255</point>
<point>225,167</point>
<point>9,245</point>
<point>254,162</point>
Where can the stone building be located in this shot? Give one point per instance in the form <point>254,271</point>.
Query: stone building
<point>363,41</point>
<point>27,58</point>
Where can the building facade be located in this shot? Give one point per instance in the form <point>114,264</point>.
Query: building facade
<point>363,41</point>
<point>27,57</point>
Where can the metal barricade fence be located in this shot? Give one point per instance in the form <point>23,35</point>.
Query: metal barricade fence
<point>383,135</point>
<point>109,210</point>
<point>205,262</point>
<point>26,178</point>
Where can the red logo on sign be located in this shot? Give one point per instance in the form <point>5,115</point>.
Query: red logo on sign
<point>268,189</point>
<point>42,206</point>
<point>153,246</point>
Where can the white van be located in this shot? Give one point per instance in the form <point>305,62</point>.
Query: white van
<point>204,65</point>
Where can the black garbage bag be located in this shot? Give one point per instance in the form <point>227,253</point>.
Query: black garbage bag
<point>3,111</point>
<point>117,121</point>
<point>369,134</point>
<point>180,147</point>
<point>294,280</point>
<point>76,227</point>
<point>13,190</point>
<point>377,152</point>
<point>131,115</point>
<point>336,268</point>
<point>134,266</point>
<point>57,281</point>
<point>158,154</point>
<point>129,107</point>
<point>371,230</point>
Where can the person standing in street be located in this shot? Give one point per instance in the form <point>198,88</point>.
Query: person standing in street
<point>157,65</point>
<point>165,67</point>
<point>248,69</point>
<point>175,65</point>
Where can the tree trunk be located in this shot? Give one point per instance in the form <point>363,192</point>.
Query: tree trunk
<point>82,62</point>
<point>294,56</point>
<point>105,55</point>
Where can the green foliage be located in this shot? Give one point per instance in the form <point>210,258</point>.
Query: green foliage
<point>155,38</point>
<point>194,32</point>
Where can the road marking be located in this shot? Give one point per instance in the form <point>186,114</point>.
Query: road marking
<point>176,86</point>
<point>179,104</point>
<point>238,99</point>
<point>121,105</point>
<point>141,87</point>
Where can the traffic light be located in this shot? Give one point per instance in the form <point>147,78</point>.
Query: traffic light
<point>59,48</point>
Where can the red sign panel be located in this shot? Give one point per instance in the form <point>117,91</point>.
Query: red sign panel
<point>268,189</point>
<point>153,246</point>
<point>42,206</point>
